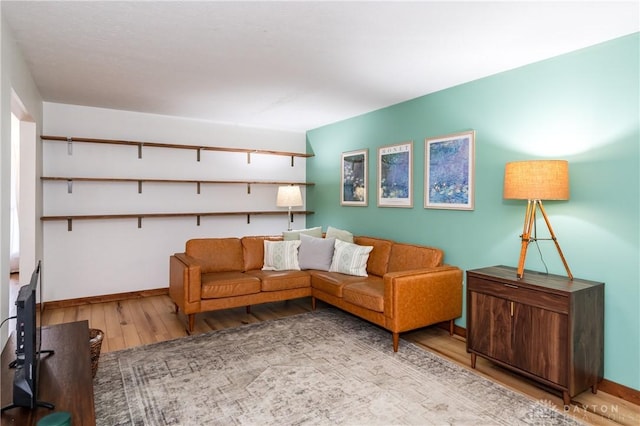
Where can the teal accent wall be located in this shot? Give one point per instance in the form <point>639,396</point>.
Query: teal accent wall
<point>583,107</point>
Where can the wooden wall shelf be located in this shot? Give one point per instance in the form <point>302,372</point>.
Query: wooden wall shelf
<point>197,148</point>
<point>198,182</point>
<point>140,216</point>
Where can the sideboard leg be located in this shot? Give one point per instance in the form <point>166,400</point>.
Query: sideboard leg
<point>313,303</point>
<point>451,327</point>
<point>566,399</point>
<point>473,360</point>
<point>396,341</point>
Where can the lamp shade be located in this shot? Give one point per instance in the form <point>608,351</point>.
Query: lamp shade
<point>289,196</point>
<point>536,180</point>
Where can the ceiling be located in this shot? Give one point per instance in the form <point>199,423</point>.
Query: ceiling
<point>293,65</point>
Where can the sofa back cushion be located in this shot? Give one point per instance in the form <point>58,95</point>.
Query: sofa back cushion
<point>216,254</point>
<point>379,256</point>
<point>253,251</point>
<point>405,257</point>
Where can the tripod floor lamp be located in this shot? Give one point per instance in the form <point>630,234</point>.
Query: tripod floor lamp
<point>535,181</point>
<point>289,196</point>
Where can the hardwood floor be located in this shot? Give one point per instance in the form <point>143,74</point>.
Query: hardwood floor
<point>134,322</point>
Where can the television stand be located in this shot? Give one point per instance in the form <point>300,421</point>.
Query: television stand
<point>43,404</point>
<point>65,379</point>
<point>15,362</point>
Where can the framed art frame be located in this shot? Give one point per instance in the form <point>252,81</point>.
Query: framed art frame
<point>353,178</point>
<point>449,171</point>
<point>395,175</point>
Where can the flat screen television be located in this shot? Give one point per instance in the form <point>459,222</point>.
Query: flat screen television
<point>28,351</point>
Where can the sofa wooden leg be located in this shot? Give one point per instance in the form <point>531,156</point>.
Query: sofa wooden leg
<point>313,303</point>
<point>248,309</point>
<point>192,322</point>
<point>396,341</point>
<point>451,327</point>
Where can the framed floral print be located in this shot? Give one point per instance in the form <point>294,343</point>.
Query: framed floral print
<point>395,175</point>
<point>449,171</point>
<point>353,191</point>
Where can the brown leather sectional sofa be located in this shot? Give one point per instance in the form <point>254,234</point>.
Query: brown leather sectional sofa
<point>407,286</point>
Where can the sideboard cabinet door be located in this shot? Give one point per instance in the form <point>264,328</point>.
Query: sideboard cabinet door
<point>540,342</point>
<point>491,334</point>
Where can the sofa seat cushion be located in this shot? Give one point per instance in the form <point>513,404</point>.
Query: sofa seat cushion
<point>282,280</point>
<point>368,294</point>
<point>332,282</point>
<point>227,284</point>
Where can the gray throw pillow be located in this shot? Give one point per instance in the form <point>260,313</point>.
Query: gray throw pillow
<point>315,253</point>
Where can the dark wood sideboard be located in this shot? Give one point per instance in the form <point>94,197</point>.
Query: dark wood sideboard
<point>65,377</point>
<point>546,327</point>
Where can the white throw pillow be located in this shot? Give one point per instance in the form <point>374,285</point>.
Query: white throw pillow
<point>281,255</point>
<point>350,258</point>
<point>295,234</point>
<point>339,234</point>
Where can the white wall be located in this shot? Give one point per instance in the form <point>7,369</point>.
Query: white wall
<point>100,257</point>
<point>15,82</point>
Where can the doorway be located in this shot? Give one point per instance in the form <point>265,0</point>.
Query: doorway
<point>23,194</point>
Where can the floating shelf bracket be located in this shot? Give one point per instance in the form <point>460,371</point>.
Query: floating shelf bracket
<point>70,186</point>
<point>69,146</point>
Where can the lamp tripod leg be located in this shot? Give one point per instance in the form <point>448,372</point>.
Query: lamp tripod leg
<point>555,241</point>
<point>529,219</point>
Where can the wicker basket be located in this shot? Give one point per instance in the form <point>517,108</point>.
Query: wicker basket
<point>95,343</point>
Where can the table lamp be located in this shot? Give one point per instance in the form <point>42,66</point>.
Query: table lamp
<point>534,181</point>
<point>289,196</point>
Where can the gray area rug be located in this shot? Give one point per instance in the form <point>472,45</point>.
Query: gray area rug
<point>317,368</point>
